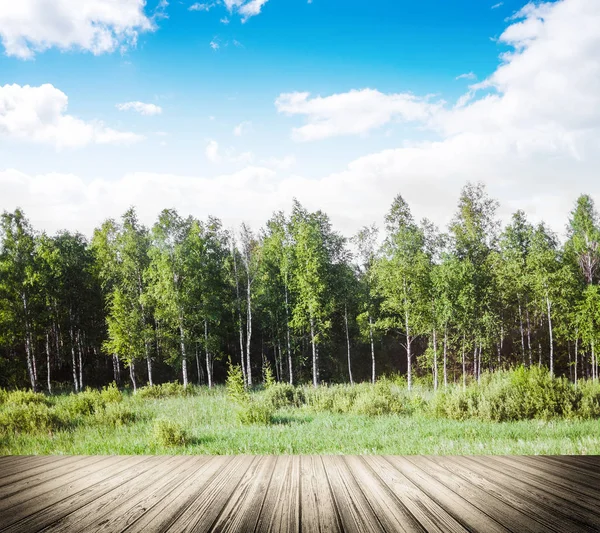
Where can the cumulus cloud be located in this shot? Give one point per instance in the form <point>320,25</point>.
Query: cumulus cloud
<point>38,114</point>
<point>531,132</point>
<point>354,112</point>
<point>245,8</point>
<point>140,107</point>
<point>97,26</point>
<point>212,151</point>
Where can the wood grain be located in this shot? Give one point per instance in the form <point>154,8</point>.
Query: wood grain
<point>291,494</point>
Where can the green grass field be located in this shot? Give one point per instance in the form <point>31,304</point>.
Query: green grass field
<point>209,422</point>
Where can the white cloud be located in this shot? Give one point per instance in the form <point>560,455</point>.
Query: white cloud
<point>97,26</point>
<point>212,151</point>
<point>499,4</point>
<point>140,107</point>
<point>242,128</point>
<point>354,112</point>
<point>200,7</point>
<point>224,20</point>
<point>38,114</point>
<point>245,8</point>
<point>467,76</point>
<point>214,45</point>
<point>533,137</point>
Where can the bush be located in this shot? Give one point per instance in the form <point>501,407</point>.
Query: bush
<point>235,385</point>
<point>83,403</point>
<point>255,412</point>
<point>25,397</point>
<point>589,404</point>
<point>111,394</point>
<point>3,396</point>
<point>283,395</point>
<point>169,433</point>
<point>164,390</point>
<point>32,417</point>
<point>115,414</point>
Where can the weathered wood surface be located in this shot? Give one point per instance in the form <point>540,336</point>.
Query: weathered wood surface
<point>299,493</point>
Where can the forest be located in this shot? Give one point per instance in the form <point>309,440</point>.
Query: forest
<point>186,299</point>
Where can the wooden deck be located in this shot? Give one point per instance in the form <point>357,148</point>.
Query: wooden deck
<point>299,493</point>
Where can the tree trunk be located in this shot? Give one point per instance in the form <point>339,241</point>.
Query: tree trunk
<point>28,347</point>
<point>289,344</point>
<point>522,333</point>
<point>183,356</point>
<point>209,366</point>
<point>80,354</point>
<point>248,331</point>
<point>408,351</point>
<point>548,305</point>
<point>475,372</point>
<point>198,369</point>
<point>146,343</point>
<point>435,362</point>
<point>73,359</point>
<point>594,375</point>
<point>528,334</point>
<point>314,353</point>
<point>445,356</point>
<point>570,360</point>
<point>239,306</point>
<point>576,346</point>
<point>116,369</point>
<point>48,361</point>
<point>348,343</point>
<point>132,375</point>
<point>464,364</point>
<point>372,349</point>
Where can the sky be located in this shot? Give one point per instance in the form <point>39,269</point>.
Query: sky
<point>232,108</point>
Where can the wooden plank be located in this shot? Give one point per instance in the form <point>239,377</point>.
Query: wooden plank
<point>35,486</point>
<point>281,508</point>
<point>507,515</point>
<point>356,513</point>
<point>391,511</point>
<point>133,508</point>
<point>24,464</point>
<point>93,513</point>
<point>54,504</point>
<point>554,513</point>
<point>587,507</point>
<point>242,510</point>
<point>318,511</point>
<point>162,515</point>
<point>557,484</point>
<point>463,511</point>
<point>429,514</point>
<point>590,470</point>
<point>202,512</point>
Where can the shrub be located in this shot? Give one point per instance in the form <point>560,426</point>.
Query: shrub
<point>255,412</point>
<point>25,397</point>
<point>83,403</point>
<point>164,390</point>
<point>32,417</point>
<point>115,414</point>
<point>235,385</point>
<point>169,433</point>
<point>284,395</point>
<point>268,373</point>
<point>111,394</point>
<point>589,404</point>
<point>3,396</point>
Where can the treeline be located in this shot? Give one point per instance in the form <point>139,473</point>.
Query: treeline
<point>187,298</point>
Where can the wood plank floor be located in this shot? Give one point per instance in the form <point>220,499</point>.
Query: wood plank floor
<point>340,493</point>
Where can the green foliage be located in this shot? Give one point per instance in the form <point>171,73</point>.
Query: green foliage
<point>522,394</point>
<point>589,405</point>
<point>268,373</point>
<point>169,433</point>
<point>255,411</point>
<point>111,394</point>
<point>235,384</point>
<point>82,404</point>
<point>23,397</point>
<point>115,414</point>
<point>282,395</point>
<point>28,418</point>
<point>164,390</point>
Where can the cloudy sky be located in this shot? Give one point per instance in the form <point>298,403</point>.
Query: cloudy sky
<point>235,107</point>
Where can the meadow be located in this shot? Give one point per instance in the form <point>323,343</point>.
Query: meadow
<point>524,411</point>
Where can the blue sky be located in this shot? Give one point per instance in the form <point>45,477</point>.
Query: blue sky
<point>340,147</point>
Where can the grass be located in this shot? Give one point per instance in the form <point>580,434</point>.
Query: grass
<point>302,421</point>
